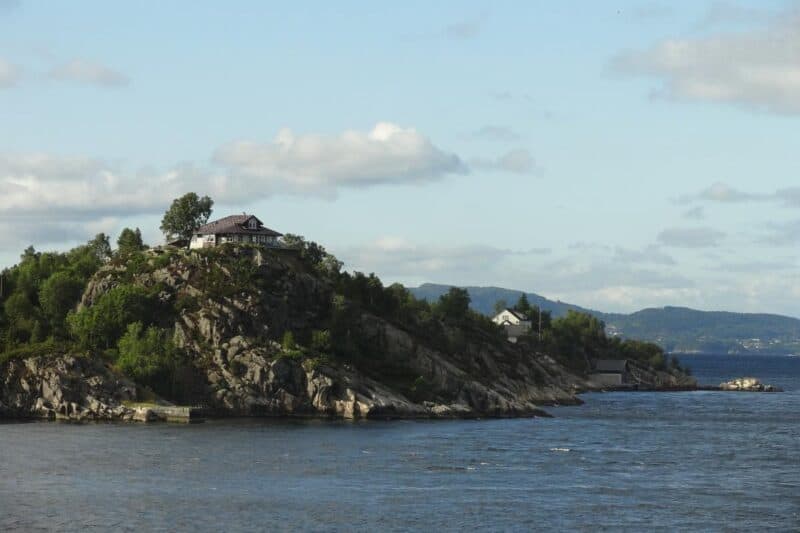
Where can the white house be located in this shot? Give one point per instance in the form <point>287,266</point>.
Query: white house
<point>515,323</point>
<point>235,228</point>
<point>509,317</point>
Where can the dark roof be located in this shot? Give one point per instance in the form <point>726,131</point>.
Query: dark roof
<point>517,314</point>
<point>614,366</point>
<point>236,224</point>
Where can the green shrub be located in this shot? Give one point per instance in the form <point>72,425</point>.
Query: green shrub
<point>148,356</point>
<point>288,341</point>
<point>321,341</point>
<point>100,325</point>
<point>47,348</point>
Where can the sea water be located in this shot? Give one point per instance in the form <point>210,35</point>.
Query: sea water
<point>623,461</point>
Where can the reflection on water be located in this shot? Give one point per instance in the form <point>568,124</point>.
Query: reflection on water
<point>702,460</point>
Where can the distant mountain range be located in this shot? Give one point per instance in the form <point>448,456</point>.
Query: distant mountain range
<point>676,329</point>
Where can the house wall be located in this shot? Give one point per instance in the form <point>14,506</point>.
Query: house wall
<point>203,241</point>
<point>206,241</point>
<point>506,316</point>
<point>607,379</point>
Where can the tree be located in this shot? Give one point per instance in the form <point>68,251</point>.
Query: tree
<point>129,241</point>
<point>101,246</point>
<point>454,303</point>
<point>57,295</point>
<point>100,325</point>
<point>499,305</point>
<point>523,305</point>
<point>185,215</point>
<point>149,356</point>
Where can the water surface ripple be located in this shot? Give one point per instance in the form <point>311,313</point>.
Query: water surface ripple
<point>622,461</point>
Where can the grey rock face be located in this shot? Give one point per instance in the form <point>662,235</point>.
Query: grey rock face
<point>226,336</point>
<point>64,387</point>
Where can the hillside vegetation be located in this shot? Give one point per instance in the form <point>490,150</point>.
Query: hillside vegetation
<point>676,329</point>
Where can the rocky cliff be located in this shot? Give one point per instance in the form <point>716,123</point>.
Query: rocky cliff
<point>227,313</point>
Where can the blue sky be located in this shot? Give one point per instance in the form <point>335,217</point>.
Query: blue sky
<point>617,155</point>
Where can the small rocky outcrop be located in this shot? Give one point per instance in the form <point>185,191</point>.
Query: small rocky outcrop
<point>748,385</point>
<point>64,387</point>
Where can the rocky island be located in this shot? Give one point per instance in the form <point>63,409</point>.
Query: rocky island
<point>251,330</point>
<point>747,385</point>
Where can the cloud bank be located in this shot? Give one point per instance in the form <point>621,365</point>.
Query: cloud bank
<point>88,73</point>
<point>241,172</point>
<point>758,68</point>
<point>318,164</point>
<point>691,237</point>
<point>9,74</point>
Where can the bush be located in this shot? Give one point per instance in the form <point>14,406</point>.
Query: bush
<point>148,356</point>
<point>321,341</point>
<point>288,341</point>
<point>100,325</point>
<point>46,348</point>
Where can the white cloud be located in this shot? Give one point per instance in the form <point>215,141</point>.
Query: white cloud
<point>83,187</point>
<point>518,161</point>
<point>691,237</point>
<point>723,193</point>
<point>89,73</point>
<point>9,74</point>
<point>465,29</point>
<point>319,164</point>
<point>720,192</point>
<point>399,259</point>
<point>650,254</point>
<point>758,68</point>
<point>496,133</point>
<point>695,213</point>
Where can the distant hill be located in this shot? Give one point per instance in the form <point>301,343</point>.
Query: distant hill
<point>676,329</point>
<point>484,298</point>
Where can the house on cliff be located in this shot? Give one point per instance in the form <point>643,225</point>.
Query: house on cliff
<point>515,323</point>
<point>242,228</point>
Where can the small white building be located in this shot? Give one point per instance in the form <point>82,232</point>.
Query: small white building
<point>509,317</point>
<point>515,323</point>
<point>236,229</point>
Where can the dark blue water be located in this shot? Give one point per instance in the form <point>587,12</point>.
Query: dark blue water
<point>623,461</point>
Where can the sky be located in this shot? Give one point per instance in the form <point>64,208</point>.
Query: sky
<point>613,154</point>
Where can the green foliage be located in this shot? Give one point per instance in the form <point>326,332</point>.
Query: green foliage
<point>47,348</point>
<point>100,325</point>
<point>185,215</point>
<point>57,296</point>
<point>186,302</point>
<point>499,306</point>
<point>129,241</point>
<point>313,254</point>
<point>36,294</point>
<point>162,260</point>
<point>523,305</point>
<point>288,341</point>
<point>148,356</point>
<point>321,341</point>
<point>453,305</point>
<point>100,246</point>
<point>577,338</point>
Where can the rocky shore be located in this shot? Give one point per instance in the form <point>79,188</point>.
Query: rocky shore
<point>747,385</point>
<point>233,368</point>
